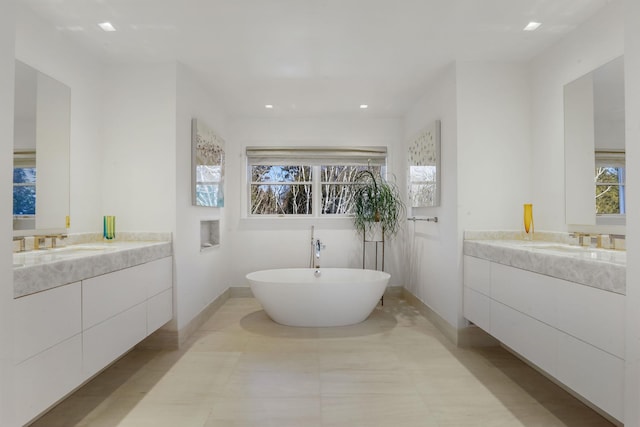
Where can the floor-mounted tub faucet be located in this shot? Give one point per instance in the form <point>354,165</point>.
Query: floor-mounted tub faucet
<point>318,247</point>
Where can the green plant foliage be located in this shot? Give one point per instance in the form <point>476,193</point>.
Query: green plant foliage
<point>377,200</point>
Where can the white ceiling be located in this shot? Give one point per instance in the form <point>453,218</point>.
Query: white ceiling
<point>315,57</point>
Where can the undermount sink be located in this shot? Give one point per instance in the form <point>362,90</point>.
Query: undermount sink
<point>565,248</point>
<point>43,256</point>
<point>554,246</point>
<point>75,248</point>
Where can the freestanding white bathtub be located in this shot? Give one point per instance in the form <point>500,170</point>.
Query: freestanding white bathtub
<point>335,297</point>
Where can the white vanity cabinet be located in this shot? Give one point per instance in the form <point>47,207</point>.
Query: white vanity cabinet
<point>48,348</point>
<point>573,332</point>
<point>116,308</point>
<point>67,334</point>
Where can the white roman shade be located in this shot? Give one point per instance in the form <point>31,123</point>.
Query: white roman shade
<point>24,159</point>
<point>610,158</point>
<point>373,156</point>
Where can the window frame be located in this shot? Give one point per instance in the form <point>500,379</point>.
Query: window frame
<point>25,160</point>
<point>612,159</point>
<point>315,158</point>
<point>218,183</point>
<point>251,183</point>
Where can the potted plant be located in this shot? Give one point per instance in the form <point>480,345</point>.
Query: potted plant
<point>377,206</point>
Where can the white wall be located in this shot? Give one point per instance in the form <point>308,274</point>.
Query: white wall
<point>7,19</point>
<point>53,138</point>
<point>494,157</point>
<point>433,249</point>
<point>579,144</point>
<point>594,43</point>
<point>486,175</point>
<point>39,45</point>
<point>632,93</point>
<point>200,276</point>
<point>272,243</point>
<point>138,154</point>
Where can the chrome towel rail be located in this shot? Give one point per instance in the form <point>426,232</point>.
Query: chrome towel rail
<point>428,218</point>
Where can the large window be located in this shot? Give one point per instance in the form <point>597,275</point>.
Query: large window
<point>24,184</point>
<point>307,181</point>
<point>610,184</point>
<point>281,190</point>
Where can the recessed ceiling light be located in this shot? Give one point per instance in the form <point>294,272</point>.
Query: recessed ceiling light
<point>107,26</point>
<point>364,106</point>
<point>268,106</point>
<point>532,26</point>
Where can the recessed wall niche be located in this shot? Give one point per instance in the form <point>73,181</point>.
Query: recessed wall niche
<point>209,234</point>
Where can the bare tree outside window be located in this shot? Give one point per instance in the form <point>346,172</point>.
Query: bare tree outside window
<point>281,190</point>
<point>338,187</point>
<point>288,189</point>
<point>610,190</point>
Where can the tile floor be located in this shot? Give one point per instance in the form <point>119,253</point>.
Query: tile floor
<point>394,369</point>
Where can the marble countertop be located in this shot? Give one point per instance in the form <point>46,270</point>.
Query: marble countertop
<point>36,271</point>
<point>599,268</point>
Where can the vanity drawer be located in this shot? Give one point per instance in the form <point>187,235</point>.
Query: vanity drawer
<point>477,274</point>
<point>594,374</point>
<point>532,339</point>
<point>105,342</point>
<point>157,275</point>
<point>593,315</point>
<point>45,319</point>
<point>477,308</point>
<point>530,293</point>
<point>47,377</point>
<point>159,310</point>
<point>105,296</point>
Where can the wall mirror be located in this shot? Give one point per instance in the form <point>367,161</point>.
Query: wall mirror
<point>595,147</point>
<point>41,152</point>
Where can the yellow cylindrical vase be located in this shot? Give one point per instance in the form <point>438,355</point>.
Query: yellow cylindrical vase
<point>528,221</point>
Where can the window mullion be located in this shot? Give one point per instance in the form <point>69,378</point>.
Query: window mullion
<point>316,192</point>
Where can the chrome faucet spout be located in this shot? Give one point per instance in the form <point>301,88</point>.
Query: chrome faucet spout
<point>318,247</point>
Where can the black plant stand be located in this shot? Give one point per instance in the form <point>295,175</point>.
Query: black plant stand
<point>378,244</point>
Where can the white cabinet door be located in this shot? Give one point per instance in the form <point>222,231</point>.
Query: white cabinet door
<point>592,373</point>
<point>592,315</point>
<point>157,275</point>
<point>477,275</point>
<point>477,308</point>
<point>159,310</point>
<point>45,378</point>
<point>573,332</point>
<point>110,339</point>
<point>45,319</point>
<point>105,296</point>
<point>534,340</point>
<point>530,293</point>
